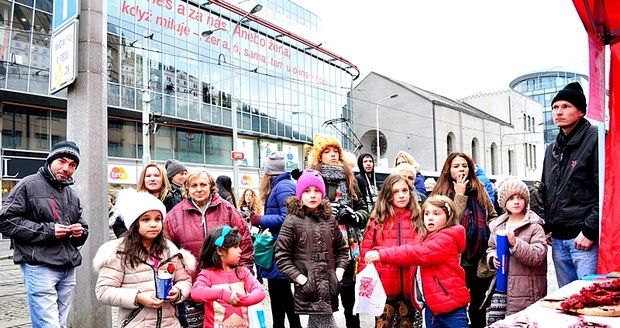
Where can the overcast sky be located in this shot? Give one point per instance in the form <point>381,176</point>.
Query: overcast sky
<point>454,48</point>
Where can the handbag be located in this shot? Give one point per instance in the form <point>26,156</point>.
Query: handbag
<point>256,316</point>
<point>370,296</point>
<point>483,270</point>
<point>264,245</point>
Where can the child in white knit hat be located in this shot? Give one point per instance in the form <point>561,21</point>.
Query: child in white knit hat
<point>527,267</point>
<point>142,272</point>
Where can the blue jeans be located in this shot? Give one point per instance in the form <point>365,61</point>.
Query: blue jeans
<point>49,291</point>
<point>570,263</point>
<point>454,319</point>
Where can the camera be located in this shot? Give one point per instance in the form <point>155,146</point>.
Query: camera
<point>344,215</point>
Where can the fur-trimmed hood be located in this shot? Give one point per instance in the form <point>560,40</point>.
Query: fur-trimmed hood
<point>111,248</point>
<point>295,207</point>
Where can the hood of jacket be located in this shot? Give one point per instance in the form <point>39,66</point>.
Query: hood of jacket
<point>295,207</point>
<point>360,163</point>
<point>111,248</point>
<point>530,218</point>
<point>46,172</point>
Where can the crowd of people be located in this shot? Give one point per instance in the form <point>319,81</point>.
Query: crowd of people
<point>184,256</point>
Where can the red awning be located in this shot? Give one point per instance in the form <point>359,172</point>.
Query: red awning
<point>602,22</point>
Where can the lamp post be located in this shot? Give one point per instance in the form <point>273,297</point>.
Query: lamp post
<point>377,121</point>
<point>146,101</point>
<point>233,108</point>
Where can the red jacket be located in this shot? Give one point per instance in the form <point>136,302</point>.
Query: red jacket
<point>443,278</point>
<point>183,224</point>
<point>396,231</point>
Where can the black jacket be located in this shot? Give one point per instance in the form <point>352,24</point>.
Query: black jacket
<point>29,215</point>
<point>570,184</point>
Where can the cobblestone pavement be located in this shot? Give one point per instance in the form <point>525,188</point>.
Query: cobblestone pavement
<point>14,308</point>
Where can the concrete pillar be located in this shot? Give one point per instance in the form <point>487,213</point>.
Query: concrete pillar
<point>87,125</point>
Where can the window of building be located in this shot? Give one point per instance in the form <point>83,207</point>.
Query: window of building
<point>217,149</point>
<point>493,158</point>
<point>474,149</point>
<point>450,143</point>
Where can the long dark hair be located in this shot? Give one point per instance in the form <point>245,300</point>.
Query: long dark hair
<point>224,187</point>
<point>134,251</point>
<point>445,184</point>
<point>209,258</point>
<point>383,213</point>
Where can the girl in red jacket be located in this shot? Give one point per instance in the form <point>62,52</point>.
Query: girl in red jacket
<point>392,223</point>
<point>226,288</point>
<point>441,278</point>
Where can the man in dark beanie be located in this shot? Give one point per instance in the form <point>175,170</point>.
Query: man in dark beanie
<point>43,217</point>
<point>570,188</point>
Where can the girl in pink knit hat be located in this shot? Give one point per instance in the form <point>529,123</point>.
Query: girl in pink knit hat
<point>310,251</point>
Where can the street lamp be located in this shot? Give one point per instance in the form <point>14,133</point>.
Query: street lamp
<point>377,118</point>
<point>233,108</point>
<point>146,100</point>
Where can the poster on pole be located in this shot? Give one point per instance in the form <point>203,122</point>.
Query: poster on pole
<point>63,57</point>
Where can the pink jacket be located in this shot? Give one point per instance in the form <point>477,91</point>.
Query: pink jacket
<point>214,287</point>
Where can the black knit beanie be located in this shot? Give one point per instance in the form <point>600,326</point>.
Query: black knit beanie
<point>64,149</point>
<point>573,93</point>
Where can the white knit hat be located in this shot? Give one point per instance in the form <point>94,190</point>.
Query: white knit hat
<point>131,204</point>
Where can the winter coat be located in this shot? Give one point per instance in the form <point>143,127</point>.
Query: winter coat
<point>488,186</point>
<point>118,284</point>
<point>443,278</point>
<point>187,227</point>
<point>363,182</point>
<point>527,268</point>
<point>400,230</point>
<point>570,184</point>
<point>419,185</point>
<point>460,201</point>
<point>282,187</point>
<point>29,214</point>
<point>536,202</point>
<point>311,244</point>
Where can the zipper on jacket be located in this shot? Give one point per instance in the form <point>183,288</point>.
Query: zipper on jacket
<point>400,269</point>
<point>440,285</point>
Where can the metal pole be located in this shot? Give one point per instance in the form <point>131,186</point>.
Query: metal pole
<point>377,125</point>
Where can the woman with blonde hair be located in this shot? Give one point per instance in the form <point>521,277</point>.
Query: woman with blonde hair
<point>249,204</point>
<point>405,157</point>
<point>153,180</point>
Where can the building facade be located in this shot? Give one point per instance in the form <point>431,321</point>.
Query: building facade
<point>542,87</point>
<point>489,127</point>
<point>194,66</point>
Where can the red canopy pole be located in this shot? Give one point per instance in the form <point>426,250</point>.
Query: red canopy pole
<point>609,248</point>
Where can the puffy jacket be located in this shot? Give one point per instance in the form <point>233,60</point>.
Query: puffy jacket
<point>400,230</point>
<point>527,274</point>
<point>312,245</point>
<point>282,187</point>
<point>488,186</point>
<point>187,227</point>
<point>443,278</point>
<point>570,184</point>
<point>29,215</point>
<point>118,284</point>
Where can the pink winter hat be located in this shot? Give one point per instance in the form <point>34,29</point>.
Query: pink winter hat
<point>310,178</point>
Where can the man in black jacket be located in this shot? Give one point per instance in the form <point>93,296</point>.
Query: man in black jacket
<point>366,179</point>
<point>43,218</point>
<point>570,188</point>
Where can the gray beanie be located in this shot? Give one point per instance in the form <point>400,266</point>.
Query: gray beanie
<point>275,164</point>
<point>64,149</point>
<point>173,167</point>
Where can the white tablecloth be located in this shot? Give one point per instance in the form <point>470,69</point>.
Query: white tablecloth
<point>547,317</point>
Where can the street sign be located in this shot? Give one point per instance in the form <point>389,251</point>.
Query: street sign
<point>237,155</point>
<point>64,12</point>
<point>63,57</point>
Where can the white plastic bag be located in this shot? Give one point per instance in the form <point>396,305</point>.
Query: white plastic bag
<point>369,293</point>
<point>257,316</point>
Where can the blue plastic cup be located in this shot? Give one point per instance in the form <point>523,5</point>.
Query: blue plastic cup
<point>503,256</point>
<point>163,285</point>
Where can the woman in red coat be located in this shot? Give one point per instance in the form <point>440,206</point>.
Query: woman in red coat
<point>441,277</point>
<point>392,223</point>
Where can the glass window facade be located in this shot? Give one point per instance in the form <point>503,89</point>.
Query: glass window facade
<point>200,65</point>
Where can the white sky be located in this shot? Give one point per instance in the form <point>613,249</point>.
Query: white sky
<point>454,48</point>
